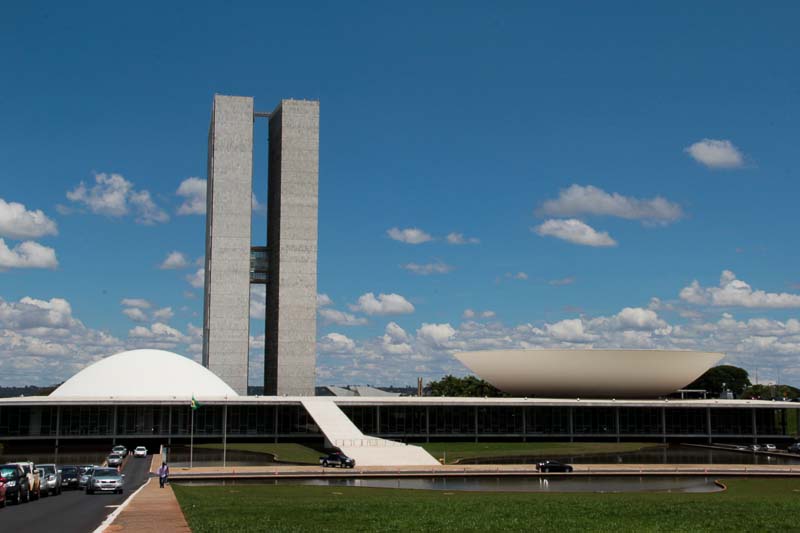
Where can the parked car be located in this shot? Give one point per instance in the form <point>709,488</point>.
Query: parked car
<point>754,448</point>
<point>105,480</point>
<point>794,448</point>
<point>337,459</point>
<point>553,466</point>
<point>50,479</point>
<point>34,480</point>
<point>114,460</point>
<point>70,477</point>
<point>16,483</point>
<point>119,449</point>
<point>770,447</point>
<point>140,451</point>
<point>86,473</point>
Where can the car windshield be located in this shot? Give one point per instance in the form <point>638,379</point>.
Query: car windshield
<point>69,470</point>
<point>47,469</point>
<point>105,472</point>
<point>8,471</point>
<point>141,449</point>
<point>88,471</point>
<point>118,448</point>
<point>113,456</point>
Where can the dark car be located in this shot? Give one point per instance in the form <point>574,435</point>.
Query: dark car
<point>18,489</point>
<point>553,466</point>
<point>337,459</point>
<point>70,477</point>
<point>794,448</point>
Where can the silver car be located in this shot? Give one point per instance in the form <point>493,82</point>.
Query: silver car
<point>114,460</point>
<point>86,473</point>
<point>50,479</point>
<point>105,480</point>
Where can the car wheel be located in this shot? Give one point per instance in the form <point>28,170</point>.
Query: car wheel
<point>325,464</point>
<point>546,470</point>
<point>569,469</point>
<point>17,498</point>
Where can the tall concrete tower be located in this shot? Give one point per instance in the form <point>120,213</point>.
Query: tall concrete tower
<point>226,316</point>
<point>291,344</point>
<point>288,264</point>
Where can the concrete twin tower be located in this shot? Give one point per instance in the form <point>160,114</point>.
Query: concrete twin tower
<point>287,265</point>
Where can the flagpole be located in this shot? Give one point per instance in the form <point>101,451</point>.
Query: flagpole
<point>191,438</point>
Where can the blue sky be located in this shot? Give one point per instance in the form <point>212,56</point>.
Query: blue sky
<point>611,154</point>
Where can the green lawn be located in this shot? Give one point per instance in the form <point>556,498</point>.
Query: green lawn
<point>454,451</point>
<point>748,505</point>
<point>286,452</point>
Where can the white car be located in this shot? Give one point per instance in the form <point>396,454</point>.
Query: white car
<point>140,451</point>
<point>770,447</point>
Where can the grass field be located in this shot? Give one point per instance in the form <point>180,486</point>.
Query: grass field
<point>454,451</point>
<point>284,452</point>
<point>748,505</point>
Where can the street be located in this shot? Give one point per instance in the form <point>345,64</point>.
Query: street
<point>73,511</point>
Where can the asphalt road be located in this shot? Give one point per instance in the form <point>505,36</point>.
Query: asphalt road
<point>73,511</point>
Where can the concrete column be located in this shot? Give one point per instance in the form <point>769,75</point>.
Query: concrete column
<point>664,424</point>
<point>616,421</point>
<point>571,430</point>
<point>753,422</point>
<point>427,423</point>
<point>226,317</point>
<point>708,423</point>
<point>292,196</point>
<point>476,423</point>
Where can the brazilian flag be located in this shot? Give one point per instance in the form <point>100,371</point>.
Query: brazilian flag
<point>195,404</point>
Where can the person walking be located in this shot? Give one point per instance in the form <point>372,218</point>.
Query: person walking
<point>163,473</point>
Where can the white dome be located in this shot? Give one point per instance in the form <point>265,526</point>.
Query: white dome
<point>144,373</point>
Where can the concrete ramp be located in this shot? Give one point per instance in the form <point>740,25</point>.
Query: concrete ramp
<point>341,433</point>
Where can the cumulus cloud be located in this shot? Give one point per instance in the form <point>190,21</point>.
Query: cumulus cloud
<point>336,343</point>
<point>574,231</point>
<point>114,196</point>
<point>340,318</point>
<point>158,332</point>
<point>409,235</point>
<point>428,268</point>
<point>258,301</point>
<point>174,260</point>
<point>578,200</point>
<point>135,302</point>
<point>193,191</point>
<point>458,238</point>
<point>135,314</point>
<point>27,254</point>
<point>435,334</point>
<point>715,153</point>
<point>569,280</point>
<point>165,314</point>
<point>571,330</point>
<point>733,292</point>
<point>198,279</point>
<point>470,314</point>
<point>395,340</point>
<point>384,304</point>
<point>17,222</point>
<point>323,300</point>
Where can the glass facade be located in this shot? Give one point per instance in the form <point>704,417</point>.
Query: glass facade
<point>398,421</point>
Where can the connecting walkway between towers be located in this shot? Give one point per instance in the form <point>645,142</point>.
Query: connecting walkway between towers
<point>341,433</point>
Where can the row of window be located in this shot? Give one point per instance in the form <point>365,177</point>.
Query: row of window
<point>389,420</point>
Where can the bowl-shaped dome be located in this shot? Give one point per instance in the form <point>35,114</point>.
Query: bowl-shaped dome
<point>589,373</point>
<point>144,373</point>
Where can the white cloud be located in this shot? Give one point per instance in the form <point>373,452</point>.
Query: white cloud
<point>637,318</point>
<point>135,302</point>
<point>17,222</point>
<point>458,238</point>
<point>336,343</point>
<point>257,207</point>
<point>520,275</point>
<point>436,334</point>
<point>135,314</point>
<point>574,231</point>
<point>193,190</point>
<point>569,280</point>
<point>578,200</point>
<point>158,332</point>
<point>323,300</point>
<point>384,304</point>
<point>715,153</point>
<point>112,195</point>
<point>571,330</point>
<point>164,314</point>
<point>27,254</point>
<point>409,235</point>
<point>428,268</point>
<point>734,292</point>
<point>468,314</point>
<point>258,301</point>
<point>488,314</point>
<point>333,316</point>
<point>395,340</point>
<point>174,260</point>
<point>198,279</point>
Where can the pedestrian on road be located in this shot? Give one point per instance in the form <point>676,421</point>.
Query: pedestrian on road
<point>163,473</point>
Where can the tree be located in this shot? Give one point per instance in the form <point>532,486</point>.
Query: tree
<point>469,386</point>
<point>768,392</point>
<point>735,379</point>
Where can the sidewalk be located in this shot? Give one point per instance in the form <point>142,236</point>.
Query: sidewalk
<point>152,509</point>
